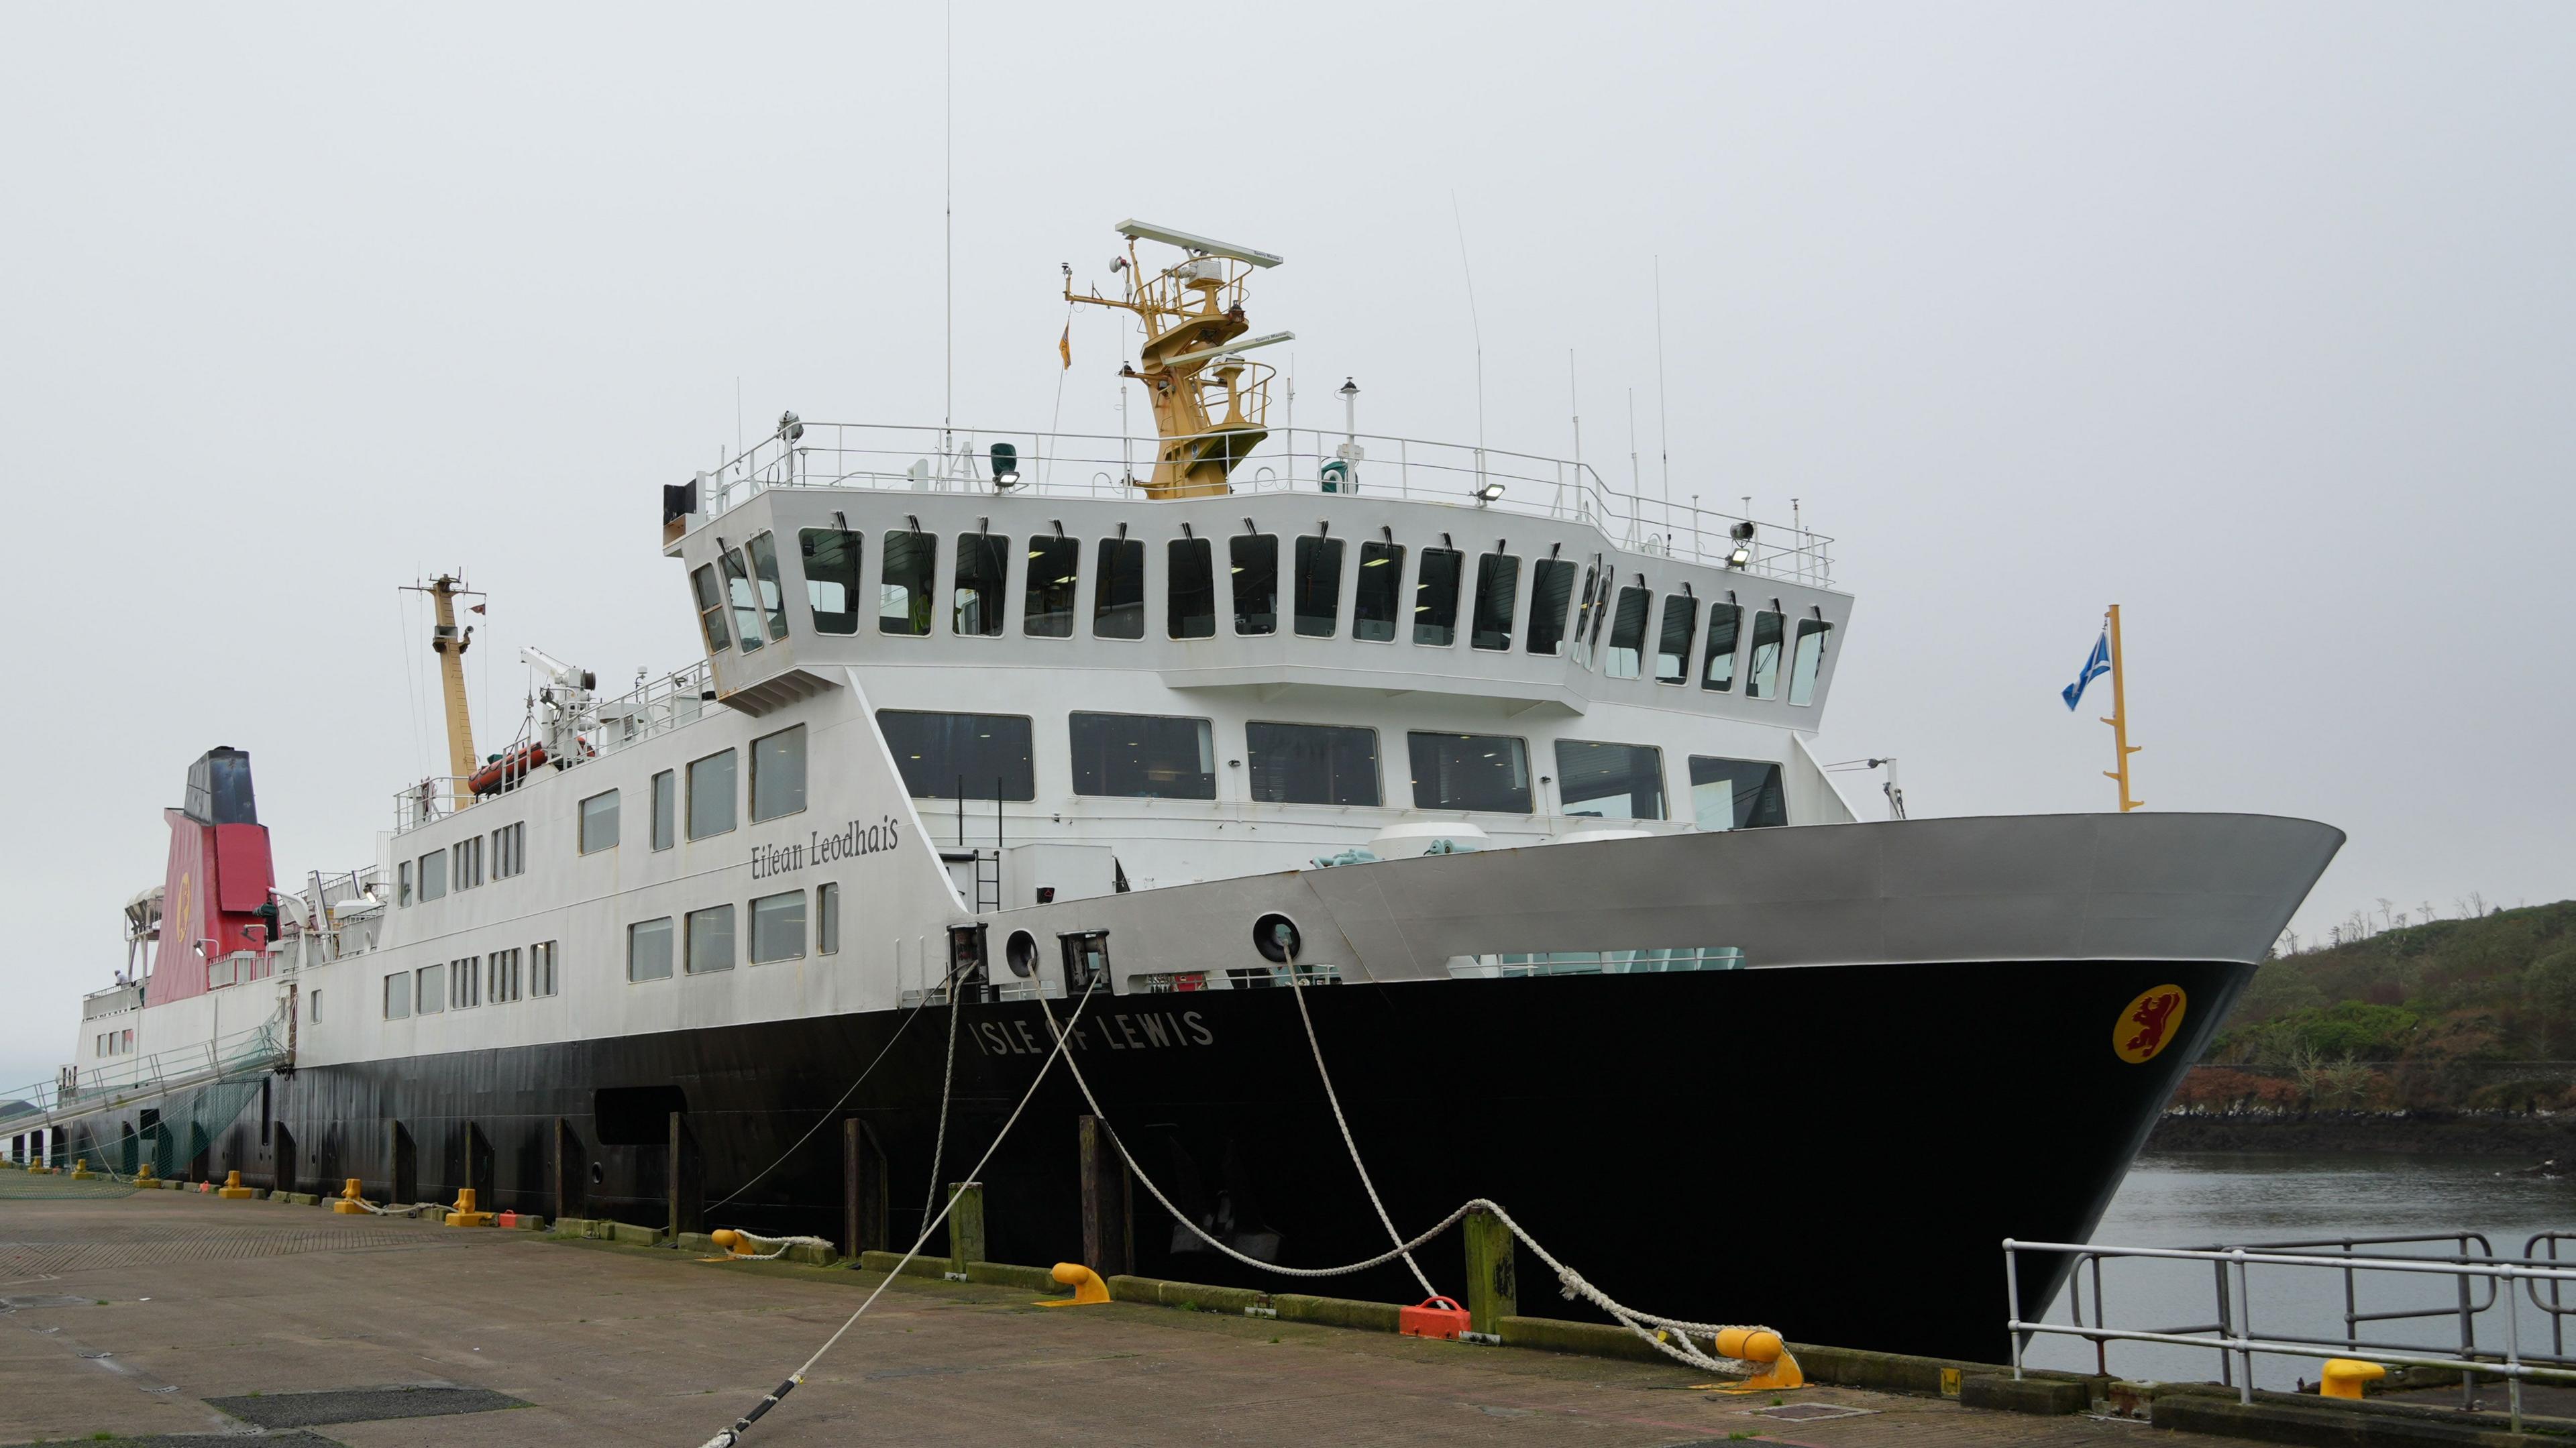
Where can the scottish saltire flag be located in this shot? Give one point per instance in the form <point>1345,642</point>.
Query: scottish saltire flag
<point>2096,664</point>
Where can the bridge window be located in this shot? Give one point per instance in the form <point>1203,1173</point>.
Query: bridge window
<point>431,996</point>
<point>905,585</point>
<point>666,810</point>
<point>1725,620</point>
<point>1312,764</point>
<point>710,608</point>
<point>1498,594</point>
<point>951,756</point>
<point>398,996</point>
<point>983,567</point>
<point>1551,591</point>
<point>746,606</point>
<point>831,560</point>
<point>778,774</point>
<point>1143,756</point>
<point>1628,633</point>
<point>598,823</point>
<point>648,949</point>
<point>764,575</point>
<point>1470,771</point>
<point>1189,584</point>
<point>1435,597</point>
<point>1736,794</point>
<point>1672,649</point>
<point>1118,605</point>
<point>1807,659</point>
<point>1046,595</point>
<point>711,795</point>
<point>1319,586</point>
<point>433,875</point>
<point>710,940</point>
<point>1381,587</point>
<point>1610,781</point>
<point>1762,677</point>
<point>1253,563</point>
<point>778,927</point>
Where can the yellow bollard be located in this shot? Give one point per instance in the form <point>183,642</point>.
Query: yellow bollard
<point>233,1190</point>
<point>2343,1377</point>
<point>351,1201</point>
<point>81,1171</point>
<point>463,1213</point>
<point>145,1178</point>
<point>1086,1284</point>
<point>1764,1347</point>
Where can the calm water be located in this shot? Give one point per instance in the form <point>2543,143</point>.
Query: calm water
<point>2180,1200</point>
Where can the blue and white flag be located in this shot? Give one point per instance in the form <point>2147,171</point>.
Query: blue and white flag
<point>2096,664</point>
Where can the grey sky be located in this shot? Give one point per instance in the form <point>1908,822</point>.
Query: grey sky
<point>2256,319</point>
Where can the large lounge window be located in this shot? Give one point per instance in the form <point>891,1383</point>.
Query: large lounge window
<point>1725,621</point>
<point>1143,756</point>
<point>1189,582</point>
<point>1736,794</point>
<point>1806,659</point>
<point>764,577</point>
<point>832,560</point>
<point>1628,633</point>
<point>1762,675</point>
<point>1118,600</point>
<point>778,774</point>
<point>429,997</point>
<point>1374,604</point>
<point>1551,592</point>
<point>648,949</point>
<point>1435,597</point>
<point>1046,595</point>
<point>954,756</point>
<point>1470,771</point>
<point>906,583</point>
<point>702,581</point>
<point>433,873</point>
<point>746,604</point>
<point>1319,586</point>
<point>711,795</point>
<point>1673,646</point>
<point>1312,764</point>
<point>778,927</point>
<point>983,568</point>
<point>1498,592</point>
<point>398,996</point>
<point>1252,560</point>
<point>710,940</point>
<point>1610,781</point>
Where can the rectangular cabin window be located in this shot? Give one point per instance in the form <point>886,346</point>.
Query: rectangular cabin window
<point>1046,595</point>
<point>1312,764</point>
<point>464,983</point>
<point>1736,794</point>
<point>1435,597</point>
<point>778,774</point>
<point>465,860</point>
<point>1374,603</point>
<point>711,795</point>
<point>1807,659</point>
<point>827,919</point>
<point>702,581</point>
<point>501,977</point>
<point>1585,606</point>
<point>666,810</point>
<point>746,604</point>
<point>398,996</point>
<point>402,883</point>
<point>541,968</point>
<point>1498,593</point>
<point>1319,587</point>
<point>1143,756</point>
<point>1118,598</point>
<point>1673,644</point>
<point>1470,771</point>
<point>906,582</point>
<point>433,875</point>
<point>778,927</point>
<point>1762,675</point>
<point>1189,586</point>
<point>599,822</point>
<point>1551,593</point>
<point>430,997</point>
<point>710,940</point>
<point>1610,781</point>
<point>648,949</point>
<point>509,850</point>
<point>983,572</point>
<point>832,559</point>
<point>1628,633</point>
<point>1253,565</point>
<point>1717,671</point>
<point>763,550</point>
<point>961,756</point>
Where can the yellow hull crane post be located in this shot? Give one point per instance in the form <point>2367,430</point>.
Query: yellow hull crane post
<point>450,644</point>
<point>2119,720</point>
<point>1190,363</point>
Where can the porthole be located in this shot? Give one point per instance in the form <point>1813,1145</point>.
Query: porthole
<point>1276,937</point>
<point>1021,950</point>
<point>598,1173</point>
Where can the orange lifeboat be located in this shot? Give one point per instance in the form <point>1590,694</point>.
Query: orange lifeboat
<point>506,771</point>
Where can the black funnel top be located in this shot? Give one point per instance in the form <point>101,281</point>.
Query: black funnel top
<point>219,788</point>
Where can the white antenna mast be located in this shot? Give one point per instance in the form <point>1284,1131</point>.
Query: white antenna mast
<point>1574,406</point>
<point>1663,398</point>
<point>948,209</point>
<point>1633,481</point>
<point>1478,328</point>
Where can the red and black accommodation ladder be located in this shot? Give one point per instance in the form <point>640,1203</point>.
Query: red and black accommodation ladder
<point>217,897</point>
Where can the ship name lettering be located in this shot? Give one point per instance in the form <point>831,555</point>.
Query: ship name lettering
<point>848,843</point>
<point>1141,1031</point>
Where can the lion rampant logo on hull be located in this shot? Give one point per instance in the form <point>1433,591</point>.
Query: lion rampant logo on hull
<point>2147,1024</point>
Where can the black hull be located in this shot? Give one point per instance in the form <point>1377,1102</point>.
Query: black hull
<point>1835,1151</point>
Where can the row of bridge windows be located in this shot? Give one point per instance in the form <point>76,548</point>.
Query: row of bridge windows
<point>741,602</point>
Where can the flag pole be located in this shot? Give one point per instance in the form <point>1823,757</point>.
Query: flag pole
<point>2119,720</point>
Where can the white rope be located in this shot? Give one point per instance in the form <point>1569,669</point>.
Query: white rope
<point>781,1250</point>
<point>1297,988</point>
<point>825,1119</point>
<point>948,1074</point>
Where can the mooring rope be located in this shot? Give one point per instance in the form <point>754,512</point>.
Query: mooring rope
<point>1350,1145</point>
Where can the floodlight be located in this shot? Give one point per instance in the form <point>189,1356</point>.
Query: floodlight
<point>1006,465</point>
<point>1487,493</point>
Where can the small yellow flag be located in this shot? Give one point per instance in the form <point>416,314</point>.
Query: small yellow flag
<point>1064,346</point>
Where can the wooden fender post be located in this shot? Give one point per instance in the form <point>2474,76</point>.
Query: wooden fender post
<point>1108,1236</point>
<point>1493,1286</point>
<point>965,1227</point>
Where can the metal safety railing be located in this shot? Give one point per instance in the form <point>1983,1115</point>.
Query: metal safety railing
<point>2481,1282</point>
<point>107,1084</point>
<point>655,706</point>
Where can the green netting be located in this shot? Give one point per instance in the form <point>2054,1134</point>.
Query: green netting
<point>188,1122</point>
<point>20,1186</point>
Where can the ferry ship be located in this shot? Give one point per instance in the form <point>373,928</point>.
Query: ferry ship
<point>1506,768</point>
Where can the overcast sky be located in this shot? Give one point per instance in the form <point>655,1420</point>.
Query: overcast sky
<point>2256,319</point>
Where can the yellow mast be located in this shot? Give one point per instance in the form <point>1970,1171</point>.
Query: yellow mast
<point>2119,720</point>
<point>450,644</point>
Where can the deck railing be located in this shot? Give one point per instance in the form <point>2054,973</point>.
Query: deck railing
<point>654,707</point>
<point>106,1084</point>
